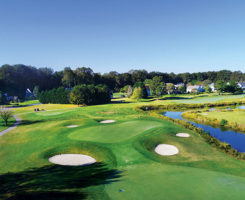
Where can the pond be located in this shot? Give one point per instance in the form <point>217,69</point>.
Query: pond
<point>235,139</point>
<point>228,108</point>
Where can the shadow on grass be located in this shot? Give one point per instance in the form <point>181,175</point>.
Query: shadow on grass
<point>55,182</point>
<point>120,102</point>
<point>29,122</point>
<point>175,98</point>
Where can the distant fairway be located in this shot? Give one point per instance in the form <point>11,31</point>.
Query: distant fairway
<point>211,99</point>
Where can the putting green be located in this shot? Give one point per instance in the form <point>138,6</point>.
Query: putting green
<point>114,132</point>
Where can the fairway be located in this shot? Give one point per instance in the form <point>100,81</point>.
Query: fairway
<point>114,133</point>
<point>157,181</point>
<point>122,100</point>
<point>124,152</point>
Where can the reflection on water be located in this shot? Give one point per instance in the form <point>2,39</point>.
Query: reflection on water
<point>228,108</point>
<point>235,139</point>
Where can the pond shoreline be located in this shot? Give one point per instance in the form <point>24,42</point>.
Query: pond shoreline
<point>209,138</point>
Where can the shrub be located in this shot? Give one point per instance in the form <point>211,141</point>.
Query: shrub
<point>56,96</point>
<point>90,95</point>
<point>223,122</point>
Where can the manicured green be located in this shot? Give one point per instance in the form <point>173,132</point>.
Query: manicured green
<point>125,154</point>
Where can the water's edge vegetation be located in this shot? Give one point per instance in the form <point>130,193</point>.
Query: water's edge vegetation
<point>155,110</point>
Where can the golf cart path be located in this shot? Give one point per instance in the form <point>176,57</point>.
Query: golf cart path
<point>18,121</point>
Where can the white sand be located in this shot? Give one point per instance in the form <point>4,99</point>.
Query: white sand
<point>72,126</point>
<point>183,135</point>
<point>72,159</point>
<point>107,121</point>
<point>166,149</point>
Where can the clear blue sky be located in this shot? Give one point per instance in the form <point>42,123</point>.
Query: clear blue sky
<point>119,35</point>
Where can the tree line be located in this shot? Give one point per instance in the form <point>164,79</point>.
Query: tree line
<point>80,95</point>
<point>15,79</point>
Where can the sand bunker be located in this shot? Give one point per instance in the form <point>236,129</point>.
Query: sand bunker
<point>72,159</point>
<point>107,121</point>
<point>72,126</point>
<point>166,149</point>
<point>183,135</point>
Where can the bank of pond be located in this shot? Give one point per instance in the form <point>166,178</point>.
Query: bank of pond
<point>235,139</point>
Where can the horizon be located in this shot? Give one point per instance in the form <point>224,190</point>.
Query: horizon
<point>126,71</point>
<point>167,36</point>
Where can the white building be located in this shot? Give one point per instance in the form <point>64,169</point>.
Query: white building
<point>212,86</point>
<point>194,88</point>
<point>241,85</point>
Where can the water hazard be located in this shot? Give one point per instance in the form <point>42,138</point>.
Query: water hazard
<point>235,139</point>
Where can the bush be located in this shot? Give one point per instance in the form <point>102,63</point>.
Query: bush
<point>56,96</point>
<point>223,122</point>
<point>90,95</point>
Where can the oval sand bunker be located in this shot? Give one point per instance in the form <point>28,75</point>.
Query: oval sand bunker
<point>72,159</point>
<point>107,121</point>
<point>72,126</point>
<point>166,149</point>
<point>183,135</point>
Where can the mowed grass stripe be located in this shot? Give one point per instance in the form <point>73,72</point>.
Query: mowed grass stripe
<point>110,133</point>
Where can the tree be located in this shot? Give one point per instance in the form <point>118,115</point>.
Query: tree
<point>6,114</point>
<point>170,88</point>
<point>208,89</point>
<point>130,91</point>
<point>124,89</point>
<point>143,88</point>
<point>84,75</point>
<point>206,82</point>
<point>157,86</point>
<point>90,94</point>
<point>79,95</point>
<point>36,91</point>
<point>182,89</point>
<point>220,85</point>
<point>137,94</point>
<point>3,99</point>
<point>68,77</point>
<point>232,87</point>
<point>56,96</point>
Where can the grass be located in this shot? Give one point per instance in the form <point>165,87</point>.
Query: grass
<point>127,168</point>
<point>187,98</point>
<point>235,116</point>
<point>10,123</point>
<point>25,103</point>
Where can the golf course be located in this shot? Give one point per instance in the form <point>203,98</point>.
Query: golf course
<point>120,141</point>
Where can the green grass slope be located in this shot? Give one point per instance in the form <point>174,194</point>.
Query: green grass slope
<point>127,166</point>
